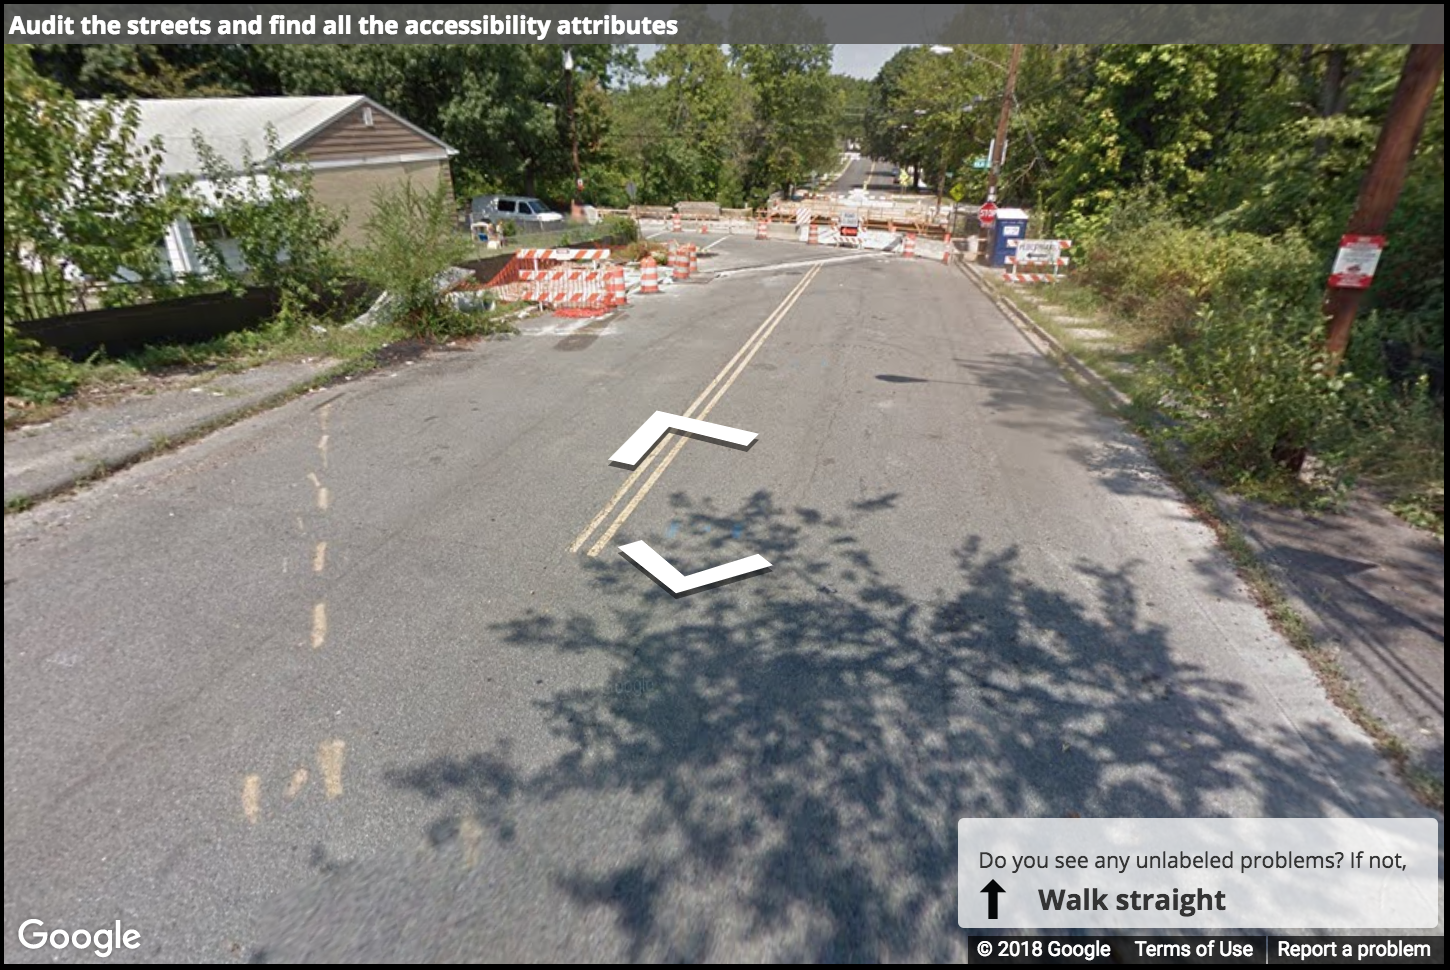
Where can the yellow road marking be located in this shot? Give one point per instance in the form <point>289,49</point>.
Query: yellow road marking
<point>470,833</point>
<point>319,626</point>
<point>319,558</point>
<point>252,798</point>
<point>298,782</point>
<point>747,350</point>
<point>322,447</point>
<point>329,756</point>
<point>779,315</point>
<point>322,499</point>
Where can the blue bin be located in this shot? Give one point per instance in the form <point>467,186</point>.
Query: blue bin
<point>1010,226</point>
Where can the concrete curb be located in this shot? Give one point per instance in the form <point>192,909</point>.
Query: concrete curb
<point>65,469</point>
<point>1053,346</point>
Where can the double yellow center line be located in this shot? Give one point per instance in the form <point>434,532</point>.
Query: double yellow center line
<point>727,375</point>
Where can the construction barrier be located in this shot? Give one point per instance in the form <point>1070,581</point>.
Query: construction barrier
<point>675,222</point>
<point>574,288</point>
<point>649,276</point>
<point>680,263</point>
<point>762,229</point>
<point>704,228</point>
<point>1038,253</point>
<point>561,255</point>
<point>614,287</point>
<point>908,248</point>
<point>694,259</point>
<point>815,236</point>
<point>534,275</point>
<point>946,249</point>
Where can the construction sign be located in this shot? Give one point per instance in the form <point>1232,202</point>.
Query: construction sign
<point>1036,256</point>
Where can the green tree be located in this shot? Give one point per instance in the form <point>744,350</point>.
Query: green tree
<point>268,212</point>
<point>796,116</point>
<point>84,200</point>
<point>503,106</point>
<point>156,70</point>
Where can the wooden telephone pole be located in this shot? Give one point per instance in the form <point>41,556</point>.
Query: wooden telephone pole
<point>1386,177</point>
<point>999,147</point>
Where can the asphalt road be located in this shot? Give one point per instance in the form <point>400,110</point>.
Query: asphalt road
<point>865,173</point>
<point>367,678</point>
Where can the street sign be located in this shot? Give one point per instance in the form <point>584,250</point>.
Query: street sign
<point>1037,250</point>
<point>981,163</point>
<point>987,214</point>
<point>1355,263</point>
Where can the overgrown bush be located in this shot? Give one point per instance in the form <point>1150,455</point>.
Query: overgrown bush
<point>1395,442</point>
<point>35,373</point>
<point>1251,396</point>
<point>1158,274</point>
<point>412,242</point>
<point>622,229</point>
<point>283,236</point>
<point>84,201</point>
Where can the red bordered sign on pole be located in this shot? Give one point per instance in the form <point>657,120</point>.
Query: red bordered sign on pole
<point>987,214</point>
<point>1355,263</point>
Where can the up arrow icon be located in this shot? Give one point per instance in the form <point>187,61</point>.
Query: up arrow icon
<point>632,451</point>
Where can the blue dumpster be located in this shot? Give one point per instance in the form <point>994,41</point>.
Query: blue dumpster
<point>1010,226</point>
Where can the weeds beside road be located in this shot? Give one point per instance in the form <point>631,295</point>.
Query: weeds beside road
<point>1219,333</point>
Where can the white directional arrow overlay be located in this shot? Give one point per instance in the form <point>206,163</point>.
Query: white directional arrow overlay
<point>639,443</point>
<point>673,580</point>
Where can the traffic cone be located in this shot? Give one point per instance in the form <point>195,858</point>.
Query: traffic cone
<point>649,276</point>
<point>908,248</point>
<point>675,222</point>
<point>614,287</point>
<point>694,259</point>
<point>762,230</point>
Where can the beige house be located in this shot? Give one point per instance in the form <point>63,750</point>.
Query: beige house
<point>352,144</point>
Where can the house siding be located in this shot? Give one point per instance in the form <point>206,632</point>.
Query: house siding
<point>350,189</point>
<point>348,139</point>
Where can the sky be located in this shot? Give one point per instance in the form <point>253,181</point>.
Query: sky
<point>853,60</point>
<point>862,60</point>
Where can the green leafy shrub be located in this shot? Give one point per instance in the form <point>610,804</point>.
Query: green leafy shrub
<point>1157,273</point>
<point>283,236</point>
<point>35,373</point>
<point>622,229</point>
<point>1251,396</point>
<point>411,241</point>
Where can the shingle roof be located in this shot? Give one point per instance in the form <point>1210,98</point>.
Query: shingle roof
<point>231,126</point>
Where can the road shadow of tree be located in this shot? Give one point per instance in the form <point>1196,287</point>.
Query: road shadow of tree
<point>808,740</point>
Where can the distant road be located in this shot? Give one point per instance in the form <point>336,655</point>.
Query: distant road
<point>865,173</point>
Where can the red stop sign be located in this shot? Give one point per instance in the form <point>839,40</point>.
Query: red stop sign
<point>987,214</point>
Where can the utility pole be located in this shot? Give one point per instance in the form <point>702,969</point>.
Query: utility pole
<point>1386,177</point>
<point>999,147</point>
<point>573,132</point>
